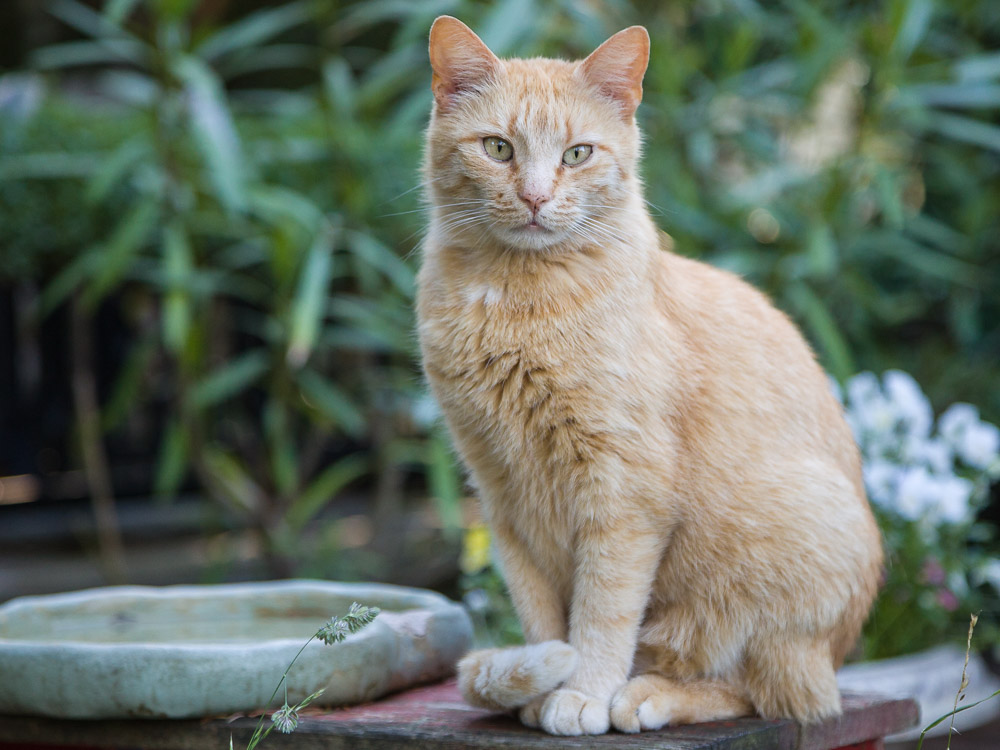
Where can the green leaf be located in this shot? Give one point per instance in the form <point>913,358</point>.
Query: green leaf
<point>174,11</point>
<point>445,484</point>
<point>890,200</point>
<point>117,253</point>
<point>281,446</point>
<point>507,24</point>
<point>821,251</point>
<point>90,22</point>
<point>324,488</point>
<point>326,397</point>
<point>87,52</point>
<point>254,29</point>
<point>273,204</point>
<point>214,131</point>
<point>376,319</point>
<point>824,329</point>
<point>952,713</point>
<point>58,165</point>
<point>231,379</point>
<point>925,259</point>
<point>309,304</point>
<point>913,25</point>
<point>269,58</point>
<point>69,279</point>
<point>978,67</point>
<point>359,17</point>
<point>391,75</point>
<point>377,255</point>
<point>231,480</point>
<point>958,95</point>
<point>114,167</point>
<point>340,88</point>
<point>938,234</point>
<point>178,264</point>
<point>117,11</point>
<point>172,462</point>
<point>127,390</point>
<point>965,129</point>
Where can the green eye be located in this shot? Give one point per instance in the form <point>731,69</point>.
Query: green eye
<point>577,154</point>
<point>498,148</point>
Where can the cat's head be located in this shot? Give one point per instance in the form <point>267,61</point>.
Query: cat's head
<point>532,154</point>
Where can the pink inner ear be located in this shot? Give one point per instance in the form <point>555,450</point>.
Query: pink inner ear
<point>459,59</point>
<point>616,67</point>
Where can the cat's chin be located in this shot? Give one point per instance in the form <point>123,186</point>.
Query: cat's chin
<point>531,237</point>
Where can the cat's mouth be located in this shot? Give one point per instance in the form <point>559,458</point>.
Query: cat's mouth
<point>535,226</point>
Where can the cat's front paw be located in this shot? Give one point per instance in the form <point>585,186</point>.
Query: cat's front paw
<point>570,712</point>
<point>641,704</point>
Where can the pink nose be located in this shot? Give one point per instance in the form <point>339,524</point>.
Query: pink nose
<point>534,199</point>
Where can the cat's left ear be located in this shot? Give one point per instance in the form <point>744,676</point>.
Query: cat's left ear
<point>616,68</point>
<point>459,59</point>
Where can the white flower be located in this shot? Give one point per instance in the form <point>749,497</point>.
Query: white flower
<point>956,419</point>
<point>911,404</point>
<point>934,453</point>
<point>938,499</point>
<point>862,389</point>
<point>976,443</point>
<point>952,497</point>
<point>881,417</point>
<point>906,470</point>
<point>912,492</point>
<point>881,480</point>
<point>980,445</point>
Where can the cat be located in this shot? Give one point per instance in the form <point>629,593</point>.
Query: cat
<point>674,496</point>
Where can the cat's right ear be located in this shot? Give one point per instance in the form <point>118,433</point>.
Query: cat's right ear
<point>459,59</point>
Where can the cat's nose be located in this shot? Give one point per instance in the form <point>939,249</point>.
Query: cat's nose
<point>534,199</point>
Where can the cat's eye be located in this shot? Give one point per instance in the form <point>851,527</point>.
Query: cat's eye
<point>498,148</point>
<point>577,154</point>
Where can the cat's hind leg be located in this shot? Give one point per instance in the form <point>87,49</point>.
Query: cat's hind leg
<point>506,678</point>
<point>791,678</point>
<point>651,701</point>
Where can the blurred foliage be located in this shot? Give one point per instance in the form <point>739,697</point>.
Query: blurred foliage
<point>255,222</point>
<point>257,179</point>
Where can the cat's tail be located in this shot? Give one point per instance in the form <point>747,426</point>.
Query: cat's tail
<point>506,678</point>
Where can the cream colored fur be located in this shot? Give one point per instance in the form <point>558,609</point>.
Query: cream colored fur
<point>504,678</point>
<point>671,487</point>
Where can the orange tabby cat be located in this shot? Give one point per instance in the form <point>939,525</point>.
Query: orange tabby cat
<point>675,497</point>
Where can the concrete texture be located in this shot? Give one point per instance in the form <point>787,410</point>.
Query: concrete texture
<point>189,651</point>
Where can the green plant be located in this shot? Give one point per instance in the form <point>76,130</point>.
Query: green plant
<point>282,315</point>
<point>959,694</point>
<point>286,718</point>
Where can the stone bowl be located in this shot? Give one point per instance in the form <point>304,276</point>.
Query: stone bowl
<point>189,651</point>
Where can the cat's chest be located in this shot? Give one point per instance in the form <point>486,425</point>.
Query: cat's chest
<point>495,361</point>
<point>529,386</point>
